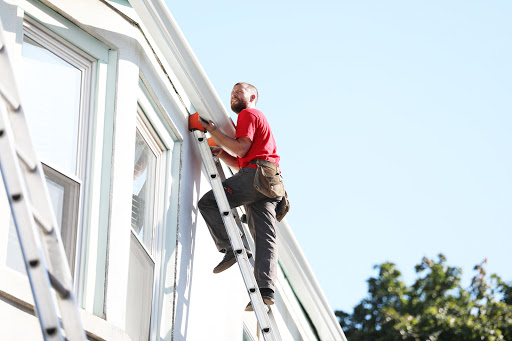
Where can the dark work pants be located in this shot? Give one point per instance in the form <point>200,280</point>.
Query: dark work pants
<point>261,217</point>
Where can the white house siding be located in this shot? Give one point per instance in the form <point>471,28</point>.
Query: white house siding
<point>143,60</point>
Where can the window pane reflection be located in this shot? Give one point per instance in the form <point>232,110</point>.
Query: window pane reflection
<point>140,292</point>
<point>14,256</point>
<point>57,197</point>
<point>51,89</point>
<point>144,177</point>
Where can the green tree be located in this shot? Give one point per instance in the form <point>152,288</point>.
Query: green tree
<point>435,307</point>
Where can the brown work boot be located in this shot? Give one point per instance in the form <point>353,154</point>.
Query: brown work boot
<point>228,260</point>
<point>268,298</point>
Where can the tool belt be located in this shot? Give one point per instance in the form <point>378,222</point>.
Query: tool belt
<point>269,182</point>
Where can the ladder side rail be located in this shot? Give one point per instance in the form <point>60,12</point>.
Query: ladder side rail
<point>27,231</point>
<point>39,200</point>
<point>49,232</point>
<point>217,187</point>
<point>248,241</point>
<point>273,323</point>
<point>259,307</point>
<point>246,233</point>
<point>243,229</point>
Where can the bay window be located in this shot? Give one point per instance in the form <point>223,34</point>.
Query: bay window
<point>55,85</point>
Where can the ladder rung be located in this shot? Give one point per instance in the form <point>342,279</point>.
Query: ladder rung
<point>46,227</point>
<point>16,197</point>
<point>33,263</point>
<point>12,102</point>
<point>265,319</point>
<point>32,166</point>
<point>63,292</point>
<point>51,330</point>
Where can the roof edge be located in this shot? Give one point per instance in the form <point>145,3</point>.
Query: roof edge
<point>176,51</point>
<point>306,286</point>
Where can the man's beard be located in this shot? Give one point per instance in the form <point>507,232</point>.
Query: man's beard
<point>238,107</point>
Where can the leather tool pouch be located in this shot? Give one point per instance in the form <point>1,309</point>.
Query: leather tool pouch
<point>282,207</point>
<point>269,182</point>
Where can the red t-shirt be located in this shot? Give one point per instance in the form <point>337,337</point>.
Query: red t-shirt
<point>253,124</point>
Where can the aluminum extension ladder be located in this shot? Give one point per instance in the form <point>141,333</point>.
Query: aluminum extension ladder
<point>264,313</point>
<point>38,233</point>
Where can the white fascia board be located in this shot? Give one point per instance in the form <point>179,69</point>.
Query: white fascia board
<point>305,285</point>
<point>160,26</point>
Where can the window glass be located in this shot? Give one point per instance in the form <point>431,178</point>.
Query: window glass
<point>143,198</point>
<point>64,197</point>
<point>14,256</point>
<point>140,292</point>
<point>54,81</point>
<point>51,89</point>
<point>57,197</point>
<point>148,180</point>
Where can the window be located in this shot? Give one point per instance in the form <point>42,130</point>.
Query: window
<point>147,208</point>
<point>246,334</point>
<point>55,86</point>
<point>144,179</point>
<point>51,89</point>
<point>147,182</point>
<point>64,199</point>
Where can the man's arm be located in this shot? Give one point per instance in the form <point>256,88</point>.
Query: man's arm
<point>239,146</point>
<point>229,160</point>
<point>225,156</point>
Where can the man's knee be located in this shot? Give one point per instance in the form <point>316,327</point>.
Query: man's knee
<point>205,202</point>
<point>202,204</point>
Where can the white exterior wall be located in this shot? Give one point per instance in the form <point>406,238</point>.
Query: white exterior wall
<point>191,303</point>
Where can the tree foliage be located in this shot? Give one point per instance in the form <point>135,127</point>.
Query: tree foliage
<point>435,307</point>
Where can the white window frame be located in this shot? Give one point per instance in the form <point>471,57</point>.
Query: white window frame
<point>156,146</point>
<point>71,211</point>
<point>152,139</point>
<point>83,62</point>
<point>156,122</point>
<point>87,66</point>
<point>37,20</point>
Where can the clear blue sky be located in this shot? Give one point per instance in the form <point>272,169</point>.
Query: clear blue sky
<point>393,120</point>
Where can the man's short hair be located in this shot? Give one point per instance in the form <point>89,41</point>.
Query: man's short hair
<point>251,87</point>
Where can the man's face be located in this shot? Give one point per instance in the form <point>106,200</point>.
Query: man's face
<point>240,98</point>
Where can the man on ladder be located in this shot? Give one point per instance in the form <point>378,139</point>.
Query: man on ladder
<point>258,186</point>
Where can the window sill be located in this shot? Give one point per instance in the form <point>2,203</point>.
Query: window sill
<point>15,290</point>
